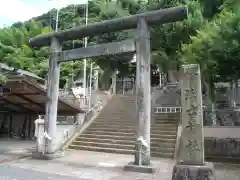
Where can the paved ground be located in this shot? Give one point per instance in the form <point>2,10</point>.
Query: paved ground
<point>80,165</point>
<point>11,149</point>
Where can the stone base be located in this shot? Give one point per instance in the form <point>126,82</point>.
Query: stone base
<point>38,155</point>
<point>142,169</point>
<point>145,158</point>
<point>193,172</point>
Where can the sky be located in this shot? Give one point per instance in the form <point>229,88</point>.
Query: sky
<point>21,10</point>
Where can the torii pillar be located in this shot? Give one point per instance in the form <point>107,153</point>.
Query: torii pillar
<point>143,92</point>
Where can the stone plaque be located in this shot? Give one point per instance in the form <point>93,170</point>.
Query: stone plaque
<point>192,143</point>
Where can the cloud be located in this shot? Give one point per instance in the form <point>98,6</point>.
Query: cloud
<point>18,10</point>
<point>21,10</point>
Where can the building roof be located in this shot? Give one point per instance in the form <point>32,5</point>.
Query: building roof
<point>17,71</point>
<point>27,96</point>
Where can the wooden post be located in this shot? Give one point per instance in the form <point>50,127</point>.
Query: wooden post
<point>10,126</point>
<point>29,126</point>
<point>143,88</point>
<point>52,92</point>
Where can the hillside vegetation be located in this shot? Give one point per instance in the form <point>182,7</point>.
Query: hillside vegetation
<point>210,36</point>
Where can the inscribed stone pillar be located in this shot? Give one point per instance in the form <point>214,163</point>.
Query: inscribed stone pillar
<point>192,150</point>
<point>191,163</point>
<point>53,92</point>
<point>143,91</point>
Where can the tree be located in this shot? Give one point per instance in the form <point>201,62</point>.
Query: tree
<point>215,48</point>
<point>14,49</point>
<point>168,39</point>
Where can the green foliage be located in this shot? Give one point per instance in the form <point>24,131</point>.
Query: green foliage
<point>209,36</point>
<point>216,47</point>
<point>168,39</point>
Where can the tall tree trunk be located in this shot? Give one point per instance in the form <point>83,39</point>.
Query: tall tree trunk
<point>232,95</point>
<point>210,103</point>
<point>236,92</point>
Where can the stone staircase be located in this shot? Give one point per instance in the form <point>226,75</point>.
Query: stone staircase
<point>169,96</point>
<point>114,130</point>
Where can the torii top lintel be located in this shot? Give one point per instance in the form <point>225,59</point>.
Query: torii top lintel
<point>161,16</point>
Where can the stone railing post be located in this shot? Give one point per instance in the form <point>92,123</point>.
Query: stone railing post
<point>114,82</point>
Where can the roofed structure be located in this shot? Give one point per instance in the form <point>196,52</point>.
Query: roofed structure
<point>23,94</point>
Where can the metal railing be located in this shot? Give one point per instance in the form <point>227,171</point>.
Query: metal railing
<point>163,110</point>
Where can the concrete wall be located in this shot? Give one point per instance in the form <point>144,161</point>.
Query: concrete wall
<point>226,147</point>
<point>61,137</point>
<point>222,141</point>
<point>15,125</point>
<point>66,128</point>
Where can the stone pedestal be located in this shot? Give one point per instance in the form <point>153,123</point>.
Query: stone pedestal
<point>193,172</point>
<point>139,168</point>
<point>47,156</point>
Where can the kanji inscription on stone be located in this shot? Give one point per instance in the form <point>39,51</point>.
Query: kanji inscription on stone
<point>192,150</point>
<point>192,113</point>
<point>190,94</point>
<point>193,146</point>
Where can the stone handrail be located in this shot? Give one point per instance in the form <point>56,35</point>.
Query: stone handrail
<point>74,130</point>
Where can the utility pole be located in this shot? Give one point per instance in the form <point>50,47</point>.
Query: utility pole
<point>90,86</point>
<point>57,17</point>
<point>85,60</point>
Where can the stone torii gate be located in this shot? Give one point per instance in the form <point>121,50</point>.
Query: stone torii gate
<point>140,45</point>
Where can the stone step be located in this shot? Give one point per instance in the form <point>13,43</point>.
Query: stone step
<point>129,137</point>
<point>120,102</point>
<point>116,133</point>
<point>110,118</point>
<point>121,114</point>
<point>99,149</point>
<point>162,155</point>
<point>114,145</point>
<point>154,131</point>
<point>125,138</point>
<point>164,123</point>
<point>132,122</point>
<point>115,110</point>
<point>163,140</point>
<point>119,141</point>
<point>129,123</point>
<point>166,118</point>
<point>153,127</point>
<point>132,117</point>
<point>118,151</point>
